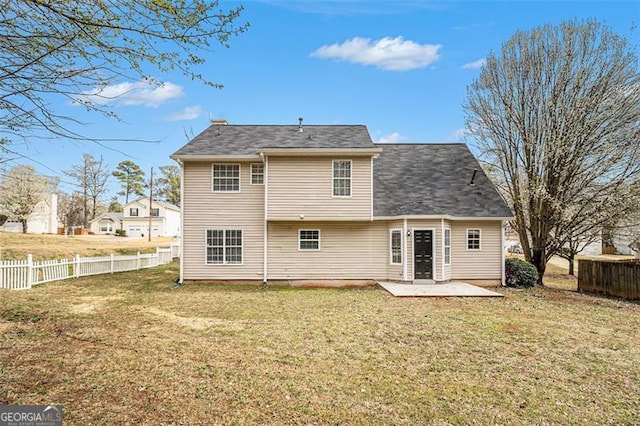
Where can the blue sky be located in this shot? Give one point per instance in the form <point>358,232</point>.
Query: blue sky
<point>399,67</point>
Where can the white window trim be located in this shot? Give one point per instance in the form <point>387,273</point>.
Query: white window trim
<point>319,239</point>
<point>333,177</point>
<point>391,231</point>
<point>479,239</point>
<point>239,177</point>
<point>256,174</point>
<point>223,251</point>
<point>444,247</point>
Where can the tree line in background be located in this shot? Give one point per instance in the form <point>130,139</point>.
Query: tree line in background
<point>22,188</point>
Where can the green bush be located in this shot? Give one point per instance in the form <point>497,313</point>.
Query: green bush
<point>121,233</point>
<point>519,273</point>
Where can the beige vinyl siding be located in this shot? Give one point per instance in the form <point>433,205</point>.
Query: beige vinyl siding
<point>205,209</point>
<point>304,186</point>
<point>476,264</point>
<point>348,250</point>
<point>434,225</point>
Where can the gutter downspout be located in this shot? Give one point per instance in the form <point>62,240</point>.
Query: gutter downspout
<point>404,257</point>
<point>442,247</point>
<point>371,189</point>
<point>181,250</point>
<point>264,225</point>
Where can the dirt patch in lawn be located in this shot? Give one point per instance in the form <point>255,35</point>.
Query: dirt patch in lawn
<point>195,323</point>
<point>91,304</point>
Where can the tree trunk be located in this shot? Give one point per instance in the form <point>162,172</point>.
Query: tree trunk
<point>539,260</point>
<point>24,225</point>
<point>571,260</point>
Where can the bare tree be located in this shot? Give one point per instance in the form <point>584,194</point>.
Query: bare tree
<point>75,49</point>
<point>70,209</point>
<point>21,191</point>
<point>557,113</point>
<point>91,175</point>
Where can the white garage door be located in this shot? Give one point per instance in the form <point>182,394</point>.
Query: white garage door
<point>134,231</point>
<point>155,231</point>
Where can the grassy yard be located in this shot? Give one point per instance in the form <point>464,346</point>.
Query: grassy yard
<point>17,246</point>
<point>129,348</point>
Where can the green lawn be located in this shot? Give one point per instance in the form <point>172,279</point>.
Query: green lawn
<point>129,348</point>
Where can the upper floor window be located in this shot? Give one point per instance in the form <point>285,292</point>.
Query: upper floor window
<point>447,246</point>
<point>155,212</point>
<point>396,246</point>
<point>226,177</point>
<point>133,211</point>
<point>257,174</point>
<point>342,178</point>
<point>473,239</point>
<point>309,239</point>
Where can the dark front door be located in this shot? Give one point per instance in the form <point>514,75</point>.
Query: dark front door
<point>423,253</point>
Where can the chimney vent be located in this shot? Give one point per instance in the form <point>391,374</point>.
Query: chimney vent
<point>219,123</point>
<point>300,124</point>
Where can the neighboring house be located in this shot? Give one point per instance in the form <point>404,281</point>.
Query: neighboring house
<point>621,238</point>
<point>165,218</point>
<point>325,205</point>
<point>106,223</point>
<point>43,220</point>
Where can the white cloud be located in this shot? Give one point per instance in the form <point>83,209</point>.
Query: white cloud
<point>475,64</point>
<point>393,54</point>
<point>188,113</point>
<point>143,92</point>
<point>394,137</point>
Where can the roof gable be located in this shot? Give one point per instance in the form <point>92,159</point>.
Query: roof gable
<point>433,179</point>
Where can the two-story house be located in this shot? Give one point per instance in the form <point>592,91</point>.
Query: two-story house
<point>324,205</point>
<point>165,218</point>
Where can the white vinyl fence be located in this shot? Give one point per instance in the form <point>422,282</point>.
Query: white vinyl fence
<point>24,274</point>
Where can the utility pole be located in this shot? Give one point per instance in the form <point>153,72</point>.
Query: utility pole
<point>150,201</point>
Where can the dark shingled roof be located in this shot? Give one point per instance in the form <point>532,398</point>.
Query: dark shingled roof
<point>433,179</point>
<point>247,139</point>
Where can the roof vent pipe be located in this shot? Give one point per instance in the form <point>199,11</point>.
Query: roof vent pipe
<point>473,176</point>
<point>300,124</point>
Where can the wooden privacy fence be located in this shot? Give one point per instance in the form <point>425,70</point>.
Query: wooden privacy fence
<point>24,274</point>
<point>610,278</point>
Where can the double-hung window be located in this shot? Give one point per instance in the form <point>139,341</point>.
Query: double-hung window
<point>133,211</point>
<point>226,178</point>
<point>155,212</point>
<point>224,246</point>
<point>473,239</point>
<point>257,174</point>
<point>342,178</point>
<point>447,246</point>
<point>396,246</point>
<point>309,239</point>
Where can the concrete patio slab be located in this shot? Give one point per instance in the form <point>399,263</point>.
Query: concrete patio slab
<point>452,289</point>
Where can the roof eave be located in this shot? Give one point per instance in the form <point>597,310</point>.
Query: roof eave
<point>443,216</point>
